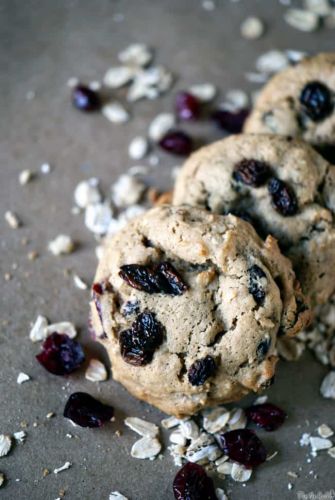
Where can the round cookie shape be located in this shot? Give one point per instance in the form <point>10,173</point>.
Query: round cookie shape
<point>189,305</point>
<point>300,102</point>
<point>283,187</point>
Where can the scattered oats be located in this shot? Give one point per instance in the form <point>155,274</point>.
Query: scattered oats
<point>66,466</point>
<point>61,245</point>
<point>25,176</point>
<point>115,112</point>
<point>160,125</point>
<point>331,452</point>
<point>221,494</point>
<point>96,371</point>
<point>127,190</point>
<point>176,437</point>
<point>320,7</point>
<point>68,435</point>
<point>272,61</point>
<point>95,85</point>
<point>225,468</point>
<point>50,415</point>
<point>79,282</point>
<point>252,28</point>
<point>65,327</point>
<point>203,455</point>
<point>305,439</point>
<point>35,424</point>
<point>234,100</point>
<point>136,54</point>
<point>204,92</point>
<point>142,427</point>
<point>318,443</point>
<point>115,495</point>
<point>290,349</point>
<point>146,447</point>
<point>138,148</point>
<point>260,400</point>
<point>98,217</point>
<point>327,388</point>
<point>72,82</point>
<point>170,422</point>
<point>5,444</point>
<point>12,219</point>
<point>290,486</point>
<point>119,76</point>
<point>38,331</point>
<point>150,83</point>
<point>221,460</point>
<point>87,192</point>
<point>325,431</point>
<point>292,474</point>
<point>240,473</point>
<point>208,5</point>
<point>302,20</point>
<point>22,378</point>
<point>138,170</point>
<point>273,455</point>
<point>20,436</point>
<point>45,168</point>
<point>215,420</point>
<point>7,276</point>
<point>177,452</point>
<point>189,429</point>
<point>256,77</point>
<point>237,419</point>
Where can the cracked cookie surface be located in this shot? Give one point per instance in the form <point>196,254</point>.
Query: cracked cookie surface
<point>189,305</point>
<point>300,102</point>
<point>283,187</point>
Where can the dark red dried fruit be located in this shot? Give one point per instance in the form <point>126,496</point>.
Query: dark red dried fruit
<point>177,143</point>
<point>283,197</point>
<point>251,172</point>
<point>86,411</point>
<point>192,483</point>
<point>201,370</point>
<point>164,278</point>
<point>138,344</point>
<point>231,121</point>
<point>243,446</point>
<point>170,280</point>
<point>267,416</point>
<point>85,99</point>
<point>187,106</point>
<point>316,101</point>
<point>263,348</point>
<point>61,355</point>
<point>140,277</point>
<point>256,288</point>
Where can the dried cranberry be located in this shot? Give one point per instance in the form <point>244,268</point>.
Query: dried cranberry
<point>187,106</point>
<point>256,288</point>
<point>140,277</point>
<point>316,101</point>
<point>85,99</point>
<point>97,288</point>
<point>263,348</point>
<point>267,416</point>
<point>243,446</point>
<point>170,280</point>
<point>86,411</point>
<point>192,483</point>
<point>251,172</point>
<point>177,143</point>
<point>61,355</point>
<point>231,121</point>
<point>139,343</point>
<point>283,197</point>
<point>201,370</point>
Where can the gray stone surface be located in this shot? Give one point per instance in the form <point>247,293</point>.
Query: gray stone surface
<point>42,45</point>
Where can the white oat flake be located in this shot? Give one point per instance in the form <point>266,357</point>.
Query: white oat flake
<point>204,92</point>
<point>272,61</point>
<point>61,245</point>
<point>127,191</point>
<point>160,125</point>
<point>38,330</point>
<point>22,378</point>
<point>20,436</point>
<point>142,427</point>
<point>240,473</point>
<point>66,466</point>
<point>327,388</point>
<point>87,192</point>
<point>65,327</point>
<point>119,76</point>
<point>146,447</point>
<point>325,431</point>
<point>138,148</point>
<point>318,443</point>
<point>79,283</point>
<point>252,28</point>
<point>96,371</point>
<point>115,495</point>
<point>2,478</point>
<point>25,176</point>
<point>302,20</point>
<point>5,444</point>
<point>98,217</point>
<point>115,112</point>
<point>12,219</point>
<point>136,54</point>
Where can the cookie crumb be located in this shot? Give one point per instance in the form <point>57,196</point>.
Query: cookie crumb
<point>22,378</point>
<point>61,245</point>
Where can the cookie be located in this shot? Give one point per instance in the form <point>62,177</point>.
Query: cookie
<point>189,305</point>
<point>300,102</point>
<point>283,187</point>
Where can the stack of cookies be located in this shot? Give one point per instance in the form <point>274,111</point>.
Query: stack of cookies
<point>191,298</point>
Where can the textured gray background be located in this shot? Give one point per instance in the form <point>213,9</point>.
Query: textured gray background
<point>43,43</point>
